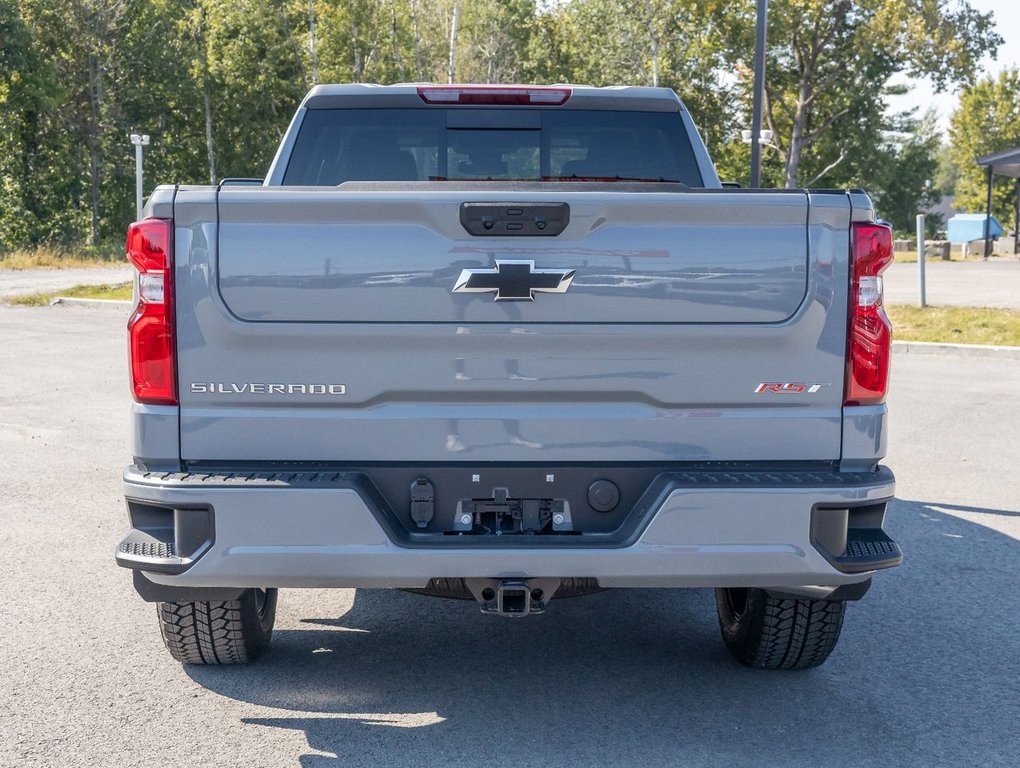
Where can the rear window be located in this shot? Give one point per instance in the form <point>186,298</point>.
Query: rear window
<point>338,145</point>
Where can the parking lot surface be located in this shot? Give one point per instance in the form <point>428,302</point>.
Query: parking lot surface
<point>926,673</point>
<point>992,283</point>
<point>14,282</point>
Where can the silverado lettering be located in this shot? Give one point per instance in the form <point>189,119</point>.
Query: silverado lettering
<point>220,388</point>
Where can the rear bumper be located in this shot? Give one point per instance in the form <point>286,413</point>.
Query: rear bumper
<point>705,529</point>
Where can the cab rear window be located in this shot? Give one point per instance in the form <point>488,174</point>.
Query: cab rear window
<point>338,145</point>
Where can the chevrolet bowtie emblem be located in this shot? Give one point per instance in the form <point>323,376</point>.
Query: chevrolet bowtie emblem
<point>514,280</point>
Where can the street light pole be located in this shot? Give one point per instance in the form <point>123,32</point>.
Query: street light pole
<point>1016,220</point>
<point>139,141</point>
<point>759,87</point>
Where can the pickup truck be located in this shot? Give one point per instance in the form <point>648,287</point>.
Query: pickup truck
<point>508,344</point>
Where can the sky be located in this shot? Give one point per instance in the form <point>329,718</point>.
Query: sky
<point>1007,22</point>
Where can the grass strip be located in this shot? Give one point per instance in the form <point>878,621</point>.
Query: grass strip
<point>955,325</point>
<point>119,292</point>
<point>60,258</point>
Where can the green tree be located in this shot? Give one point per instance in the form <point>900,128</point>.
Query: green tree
<point>257,77</point>
<point>493,44</point>
<point>26,92</point>
<point>215,84</point>
<point>904,176</point>
<point>74,136</point>
<point>828,65</point>
<point>986,121</point>
<point>118,66</point>
<point>947,175</point>
<point>679,44</point>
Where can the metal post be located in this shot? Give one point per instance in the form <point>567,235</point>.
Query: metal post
<point>138,181</point>
<point>921,253</point>
<point>988,216</point>
<point>759,87</point>
<point>1016,221</point>
<point>139,141</point>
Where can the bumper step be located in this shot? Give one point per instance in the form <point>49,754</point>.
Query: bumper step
<point>868,549</point>
<point>143,551</point>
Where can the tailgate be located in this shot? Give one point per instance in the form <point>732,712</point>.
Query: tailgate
<point>342,257</point>
<point>323,325</point>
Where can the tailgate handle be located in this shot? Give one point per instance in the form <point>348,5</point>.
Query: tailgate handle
<point>503,219</point>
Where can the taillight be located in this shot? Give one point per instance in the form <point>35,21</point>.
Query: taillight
<point>870,336</point>
<point>151,327</point>
<point>484,94</point>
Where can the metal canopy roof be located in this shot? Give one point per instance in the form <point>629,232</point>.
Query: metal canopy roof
<point>1005,163</point>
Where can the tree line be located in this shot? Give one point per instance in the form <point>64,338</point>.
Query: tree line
<point>215,83</point>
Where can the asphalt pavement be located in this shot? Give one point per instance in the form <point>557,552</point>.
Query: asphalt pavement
<point>926,673</point>
<point>976,283</point>
<point>15,282</point>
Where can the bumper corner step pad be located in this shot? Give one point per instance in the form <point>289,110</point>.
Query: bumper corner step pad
<point>868,549</point>
<point>143,551</point>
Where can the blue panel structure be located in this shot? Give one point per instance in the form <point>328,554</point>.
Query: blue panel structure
<point>967,227</point>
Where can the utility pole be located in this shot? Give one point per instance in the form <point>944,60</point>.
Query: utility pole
<point>759,88</point>
<point>139,141</point>
<point>451,69</point>
<point>988,214</point>
<point>312,49</point>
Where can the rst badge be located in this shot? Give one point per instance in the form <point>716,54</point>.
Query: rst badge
<point>514,280</point>
<point>788,387</point>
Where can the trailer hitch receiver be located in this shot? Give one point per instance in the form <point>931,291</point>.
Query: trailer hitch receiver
<point>513,597</point>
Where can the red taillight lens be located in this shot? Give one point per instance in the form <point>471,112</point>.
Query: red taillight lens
<point>870,337</point>
<point>484,94</point>
<point>151,327</point>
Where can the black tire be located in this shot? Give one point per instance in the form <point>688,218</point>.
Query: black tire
<point>772,633</point>
<point>230,632</point>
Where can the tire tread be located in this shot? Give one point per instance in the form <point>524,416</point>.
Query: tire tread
<point>211,632</point>
<point>781,633</point>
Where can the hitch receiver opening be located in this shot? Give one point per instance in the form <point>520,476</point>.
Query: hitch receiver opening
<point>513,600</point>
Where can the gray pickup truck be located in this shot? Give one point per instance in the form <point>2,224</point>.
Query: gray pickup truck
<point>508,344</point>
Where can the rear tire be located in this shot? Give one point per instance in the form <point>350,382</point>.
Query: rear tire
<point>228,632</point>
<point>773,633</point>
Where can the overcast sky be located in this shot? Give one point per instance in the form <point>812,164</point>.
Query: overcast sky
<point>1007,22</point>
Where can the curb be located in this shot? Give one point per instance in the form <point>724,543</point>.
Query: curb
<point>90,302</point>
<point>963,350</point>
